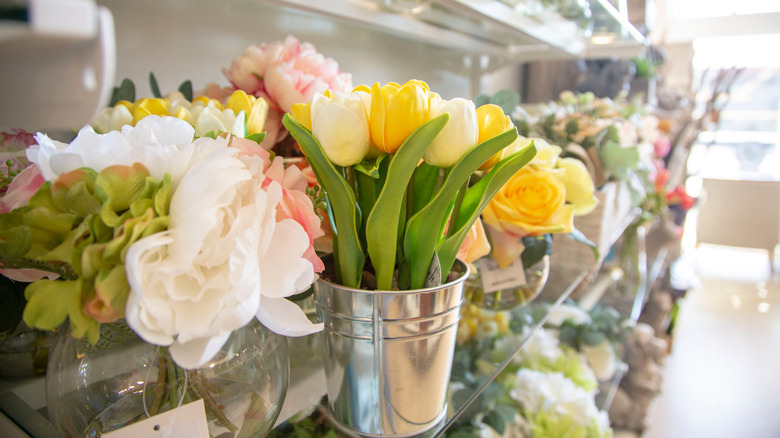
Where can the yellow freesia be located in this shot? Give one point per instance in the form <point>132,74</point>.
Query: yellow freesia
<point>397,111</point>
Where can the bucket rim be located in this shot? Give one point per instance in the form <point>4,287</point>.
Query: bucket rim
<point>466,271</point>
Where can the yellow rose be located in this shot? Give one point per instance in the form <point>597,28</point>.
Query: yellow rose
<point>579,185</point>
<point>531,203</point>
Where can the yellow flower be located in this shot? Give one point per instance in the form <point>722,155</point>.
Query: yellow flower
<point>256,110</point>
<point>149,106</point>
<point>397,111</point>
<point>531,203</point>
<point>340,124</point>
<point>579,185</point>
<point>302,111</point>
<point>492,121</point>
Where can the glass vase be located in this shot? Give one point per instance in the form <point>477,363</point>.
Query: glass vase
<point>95,389</point>
<point>510,297</point>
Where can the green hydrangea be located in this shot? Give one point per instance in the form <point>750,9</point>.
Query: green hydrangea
<point>80,227</point>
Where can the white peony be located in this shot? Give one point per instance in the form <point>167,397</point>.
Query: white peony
<point>225,257</point>
<point>162,144</point>
<point>223,261</point>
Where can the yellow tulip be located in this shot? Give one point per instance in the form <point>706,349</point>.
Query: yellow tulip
<point>256,116</point>
<point>492,122</point>
<point>149,106</point>
<point>459,135</point>
<point>302,111</point>
<point>397,111</point>
<point>240,101</point>
<point>340,124</point>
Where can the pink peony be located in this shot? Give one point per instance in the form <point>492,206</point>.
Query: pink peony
<point>287,72</point>
<point>295,203</point>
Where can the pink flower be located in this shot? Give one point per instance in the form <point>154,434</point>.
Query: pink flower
<point>21,189</point>
<point>287,72</point>
<point>295,203</point>
<point>475,245</point>
<point>662,147</point>
<point>216,92</point>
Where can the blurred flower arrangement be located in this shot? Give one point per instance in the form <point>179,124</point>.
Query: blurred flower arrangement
<point>396,162</point>
<point>186,238</point>
<point>546,390</point>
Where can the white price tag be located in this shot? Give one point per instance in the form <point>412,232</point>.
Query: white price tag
<point>188,421</point>
<point>495,278</point>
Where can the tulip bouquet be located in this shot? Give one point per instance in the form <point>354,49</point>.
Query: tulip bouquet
<point>395,162</point>
<point>186,238</point>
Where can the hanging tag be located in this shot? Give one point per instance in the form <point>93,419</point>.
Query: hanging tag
<point>495,278</point>
<point>188,421</point>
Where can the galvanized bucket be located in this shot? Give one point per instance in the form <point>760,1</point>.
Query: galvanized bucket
<point>388,354</point>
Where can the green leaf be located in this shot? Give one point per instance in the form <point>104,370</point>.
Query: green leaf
<point>535,249</point>
<point>593,338</point>
<point>257,137</point>
<point>384,217</point>
<point>424,185</point>
<point>507,99</point>
<point>618,160</point>
<point>186,89</point>
<point>153,85</point>
<point>125,91</point>
<point>481,99</point>
<point>15,238</point>
<point>212,134</point>
<point>371,168</point>
<point>419,242</point>
<point>341,204</point>
<point>496,421</point>
<point>579,236</point>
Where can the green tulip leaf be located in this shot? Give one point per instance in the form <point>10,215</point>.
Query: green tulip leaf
<point>424,185</point>
<point>419,242</point>
<point>371,168</point>
<point>477,198</point>
<point>384,217</point>
<point>257,137</point>
<point>342,205</point>
<point>125,91</point>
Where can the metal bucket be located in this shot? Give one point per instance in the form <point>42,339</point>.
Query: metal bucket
<point>388,354</point>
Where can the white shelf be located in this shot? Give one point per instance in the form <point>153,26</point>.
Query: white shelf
<point>482,27</point>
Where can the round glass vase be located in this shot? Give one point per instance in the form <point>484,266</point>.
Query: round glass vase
<point>95,389</point>
<point>512,297</point>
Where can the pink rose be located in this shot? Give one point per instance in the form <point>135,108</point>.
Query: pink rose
<point>21,189</point>
<point>475,245</point>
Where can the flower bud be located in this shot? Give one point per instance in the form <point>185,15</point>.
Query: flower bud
<point>459,135</point>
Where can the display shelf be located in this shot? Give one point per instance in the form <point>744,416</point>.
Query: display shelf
<point>485,27</point>
<point>539,323</point>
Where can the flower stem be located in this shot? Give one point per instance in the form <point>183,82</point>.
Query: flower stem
<point>159,388</point>
<point>211,405</point>
<point>452,228</point>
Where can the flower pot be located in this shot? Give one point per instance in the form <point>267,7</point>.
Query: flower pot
<point>388,354</point>
<point>522,289</point>
<point>95,389</point>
